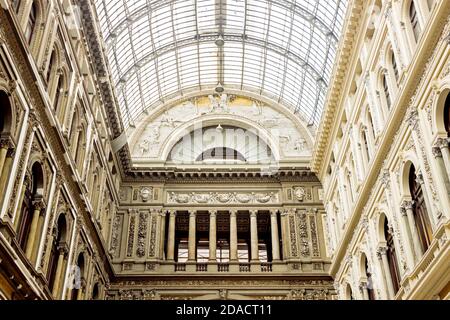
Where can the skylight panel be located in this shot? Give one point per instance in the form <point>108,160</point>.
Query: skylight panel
<point>161,49</point>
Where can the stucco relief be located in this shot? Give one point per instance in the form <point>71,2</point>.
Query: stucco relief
<point>151,141</point>
<point>223,198</point>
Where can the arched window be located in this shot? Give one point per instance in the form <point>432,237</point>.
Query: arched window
<point>421,217</point>
<point>16,5</point>
<point>59,240</point>
<point>349,292</point>
<point>414,18</point>
<point>31,24</point>
<point>59,91</point>
<point>96,291</point>
<point>5,113</point>
<point>391,257</point>
<point>370,124</point>
<point>221,153</point>
<point>33,191</point>
<point>51,65</point>
<point>79,149</point>
<point>368,274</point>
<point>387,94</point>
<point>366,145</point>
<point>447,115</point>
<point>394,66</point>
<point>81,266</point>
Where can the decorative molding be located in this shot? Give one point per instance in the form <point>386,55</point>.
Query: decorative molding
<point>221,198</point>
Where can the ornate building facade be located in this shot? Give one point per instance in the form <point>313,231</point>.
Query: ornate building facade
<point>382,155</point>
<point>173,151</point>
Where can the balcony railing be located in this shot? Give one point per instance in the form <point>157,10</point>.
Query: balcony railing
<point>223,267</point>
<point>244,267</point>
<point>266,267</point>
<point>180,267</point>
<point>202,267</point>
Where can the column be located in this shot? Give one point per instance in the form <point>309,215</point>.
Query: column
<point>409,249</point>
<point>40,227</point>
<point>82,289</point>
<point>254,235</point>
<point>38,206</point>
<point>233,236</point>
<point>162,235</point>
<point>275,236</point>
<point>26,183</point>
<point>171,237</point>
<point>284,234</point>
<point>426,197</point>
<point>408,205</point>
<point>382,254</point>
<point>5,172</point>
<point>192,236</point>
<point>442,144</point>
<point>363,289</point>
<point>4,147</point>
<point>62,248</point>
<point>212,236</point>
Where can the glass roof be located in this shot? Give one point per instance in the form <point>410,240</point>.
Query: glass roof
<point>280,49</point>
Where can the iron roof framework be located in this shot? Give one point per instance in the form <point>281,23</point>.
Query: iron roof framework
<point>281,49</point>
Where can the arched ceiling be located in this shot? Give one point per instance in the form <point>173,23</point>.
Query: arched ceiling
<point>161,50</point>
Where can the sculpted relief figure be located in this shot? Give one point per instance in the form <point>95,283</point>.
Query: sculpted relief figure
<point>222,197</point>
<point>219,105</point>
<point>144,146</point>
<point>146,194</point>
<point>300,145</point>
<point>300,194</point>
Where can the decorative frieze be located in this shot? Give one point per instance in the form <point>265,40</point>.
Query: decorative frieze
<point>314,237</point>
<point>131,236</point>
<point>221,198</point>
<point>115,236</point>
<point>153,232</point>
<point>303,234</point>
<point>142,234</point>
<point>293,236</point>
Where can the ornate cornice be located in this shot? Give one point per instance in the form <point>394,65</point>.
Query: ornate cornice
<point>339,77</point>
<point>184,176</point>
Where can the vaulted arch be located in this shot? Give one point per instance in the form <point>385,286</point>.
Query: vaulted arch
<point>282,50</point>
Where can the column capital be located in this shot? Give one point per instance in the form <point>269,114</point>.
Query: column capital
<point>38,204</point>
<point>407,205</point>
<point>381,251</point>
<point>253,213</point>
<point>212,213</point>
<point>273,212</point>
<point>419,178</point>
<point>192,213</point>
<point>233,213</point>
<point>363,285</point>
<point>437,153</point>
<point>173,213</point>
<point>63,248</point>
<point>6,142</point>
<point>441,143</point>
